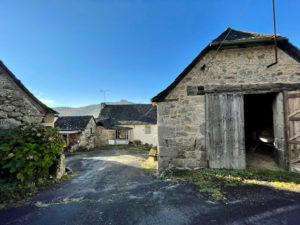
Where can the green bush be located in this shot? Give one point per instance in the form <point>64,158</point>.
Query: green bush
<point>28,152</point>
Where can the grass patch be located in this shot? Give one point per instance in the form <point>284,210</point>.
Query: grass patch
<point>216,183</point>
<point>12,192</point>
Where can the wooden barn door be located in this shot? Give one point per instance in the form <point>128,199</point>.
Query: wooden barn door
<point>225,135</point>
<point>292,104</point>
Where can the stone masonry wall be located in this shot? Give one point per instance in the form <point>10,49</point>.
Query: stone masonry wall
<point>16,107</point>
<point>87,138</point>
<point>102,136</point>
<point>181,121</point>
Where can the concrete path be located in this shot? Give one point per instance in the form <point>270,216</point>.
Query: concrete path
<point>112,188</point>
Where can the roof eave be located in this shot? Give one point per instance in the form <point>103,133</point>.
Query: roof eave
<point>248,41</point>
<point>213,45</point>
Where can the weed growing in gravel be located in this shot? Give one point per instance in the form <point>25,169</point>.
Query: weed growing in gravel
<point>217,183</point>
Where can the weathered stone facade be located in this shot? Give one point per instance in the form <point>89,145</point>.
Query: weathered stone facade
<point>181,118</point>
<point>17,107</point>
<point>104,135</point>
<point>86,139</point>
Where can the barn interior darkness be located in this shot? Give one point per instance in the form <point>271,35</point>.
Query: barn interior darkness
<point>259,129</point>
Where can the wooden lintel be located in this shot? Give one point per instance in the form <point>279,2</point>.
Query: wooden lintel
<point>294,119</point>
<point>295,95</point>
<point>294,142</point>
<point>242,89</point>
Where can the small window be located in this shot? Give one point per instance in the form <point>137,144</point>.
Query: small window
<point>147,130</point>
<point>91,130</point>
<point>122,134</point>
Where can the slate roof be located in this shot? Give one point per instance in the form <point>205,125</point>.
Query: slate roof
<point>232,35</point>
<point>71,123</point>
<point>129,114</point>
<point>236,38</point>
<point>22,87</point>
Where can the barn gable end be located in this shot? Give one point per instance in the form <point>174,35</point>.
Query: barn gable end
<point>181,117</point>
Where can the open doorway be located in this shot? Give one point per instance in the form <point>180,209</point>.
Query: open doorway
<point>259,131</point>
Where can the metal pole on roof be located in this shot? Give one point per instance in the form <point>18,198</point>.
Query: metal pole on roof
<point>104,94</point>
<point>275,35</point>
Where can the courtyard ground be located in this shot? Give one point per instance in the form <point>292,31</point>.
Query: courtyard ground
<point>111,187</point>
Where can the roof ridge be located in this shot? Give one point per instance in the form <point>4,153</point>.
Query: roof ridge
<point>26,90</point>
<point>282,41</point>
<point>250,32</point>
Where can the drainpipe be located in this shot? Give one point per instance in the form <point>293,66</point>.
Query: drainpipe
<point>275,36</point>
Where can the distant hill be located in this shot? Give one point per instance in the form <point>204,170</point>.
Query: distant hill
<point>86,110</point>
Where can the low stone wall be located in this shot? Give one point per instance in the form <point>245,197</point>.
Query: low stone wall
<point>60,167</point>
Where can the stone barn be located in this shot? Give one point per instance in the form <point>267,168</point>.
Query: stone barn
<point>79,131</point>
<point>18,105</point>
<point>233,106</point>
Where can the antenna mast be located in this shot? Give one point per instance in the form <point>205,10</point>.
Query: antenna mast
<point>104,94</point>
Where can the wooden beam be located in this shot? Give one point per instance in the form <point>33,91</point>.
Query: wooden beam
<point>294,142</point>
<point>295,95</point>
<point>294,119</point>
<point>242,89</point>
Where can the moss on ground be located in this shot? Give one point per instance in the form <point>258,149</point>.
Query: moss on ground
<point>217,183</point>
<point>12,192</point>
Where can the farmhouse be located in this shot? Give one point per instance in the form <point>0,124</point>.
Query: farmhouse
<point>18,105</point>
<point>121,124</point>
<point>233,100</point>
<point>79,131</point>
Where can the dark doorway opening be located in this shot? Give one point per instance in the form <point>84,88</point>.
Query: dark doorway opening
<point>259,131</point>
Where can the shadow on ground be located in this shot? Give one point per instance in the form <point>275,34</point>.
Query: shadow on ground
<point>111,188</point>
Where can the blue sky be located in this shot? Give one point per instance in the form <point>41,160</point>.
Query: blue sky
<point>66,51</point>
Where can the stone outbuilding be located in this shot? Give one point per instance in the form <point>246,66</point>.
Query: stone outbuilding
<point>18,105</point>
<point>79,131</point>
<point>233,104</point>
<point>121,124</point>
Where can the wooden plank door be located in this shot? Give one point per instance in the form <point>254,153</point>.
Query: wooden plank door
<point>292,105</point>
<point>225,134</point>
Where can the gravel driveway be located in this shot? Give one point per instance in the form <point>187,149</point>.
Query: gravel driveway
<point>112,188</point>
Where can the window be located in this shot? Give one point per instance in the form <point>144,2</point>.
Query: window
<point>147,130</point>
<point>122,134</point>
<point>91,131</point>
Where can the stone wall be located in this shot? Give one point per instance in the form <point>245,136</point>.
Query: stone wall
<point>87,138</point>
<point>181,120</point>
<point>16,107</point>
<point>102,136</point>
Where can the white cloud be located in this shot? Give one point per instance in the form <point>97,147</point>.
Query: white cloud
<point>47,101</point>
